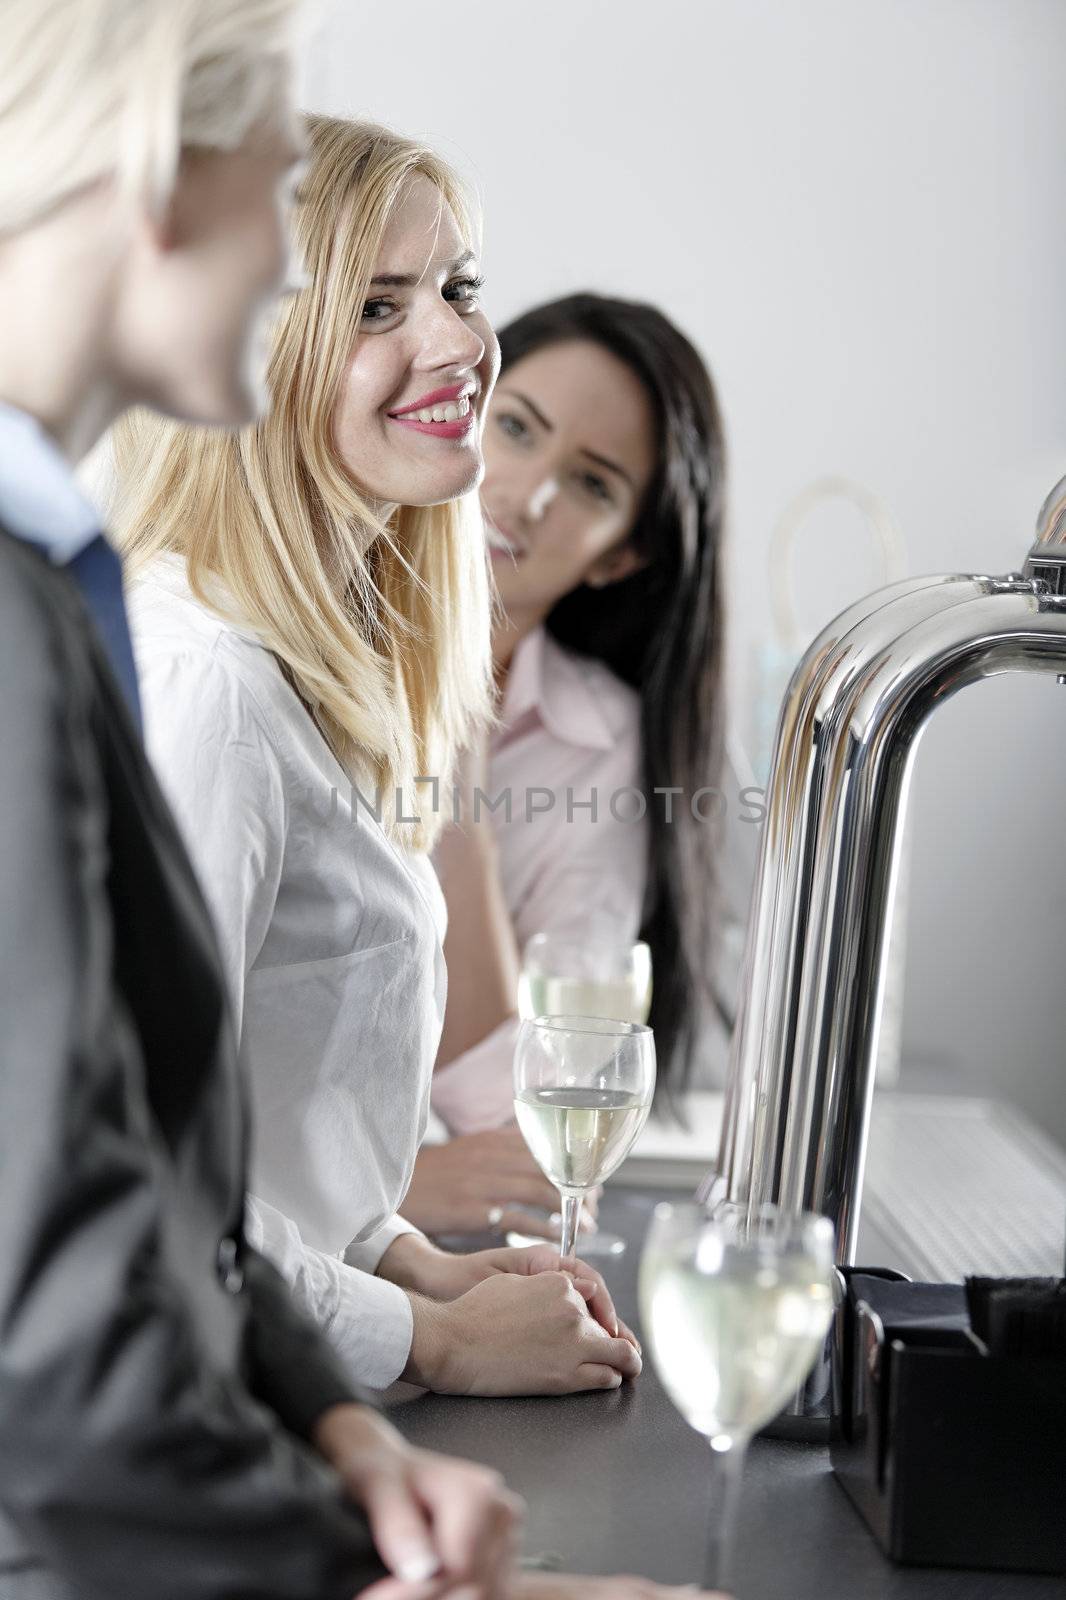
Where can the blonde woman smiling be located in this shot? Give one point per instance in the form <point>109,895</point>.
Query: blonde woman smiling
<point>311,618</point>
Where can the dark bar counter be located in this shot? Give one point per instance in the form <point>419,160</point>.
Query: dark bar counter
<point>618,1482</point>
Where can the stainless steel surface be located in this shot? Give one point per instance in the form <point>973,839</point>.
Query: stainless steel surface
<point>805,1046</point>
<point>618,1482</point>
<point>963,1185</point>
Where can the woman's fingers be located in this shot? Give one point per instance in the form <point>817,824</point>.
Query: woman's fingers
<point>396,1589</point>
<point>535,1224</point>
<point>597,1295</point>
<point>627,1333</point>
<point>519,1188</point>
<point>476,1530</point>
<point>593,1376</point>
<point>539,1224</point>
<point>400,1527</point>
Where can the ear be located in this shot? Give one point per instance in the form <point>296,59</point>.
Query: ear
<point>619,563</point>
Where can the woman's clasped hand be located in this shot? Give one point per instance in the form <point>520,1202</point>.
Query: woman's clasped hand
<point>482,1319</point>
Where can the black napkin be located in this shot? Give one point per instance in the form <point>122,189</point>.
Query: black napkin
<point>1019,1316</point>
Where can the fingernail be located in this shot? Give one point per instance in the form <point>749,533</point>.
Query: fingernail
<point>418,1566</point>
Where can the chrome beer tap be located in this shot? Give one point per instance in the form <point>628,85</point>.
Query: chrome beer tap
<point>804,1049</point>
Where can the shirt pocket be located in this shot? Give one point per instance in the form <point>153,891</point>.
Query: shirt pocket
<point>324,966</point>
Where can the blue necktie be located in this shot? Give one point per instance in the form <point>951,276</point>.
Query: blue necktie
<point>97,571</point>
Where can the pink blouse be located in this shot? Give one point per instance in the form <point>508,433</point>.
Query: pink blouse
<point>564,784</point>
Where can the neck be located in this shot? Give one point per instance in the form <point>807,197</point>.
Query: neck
<point>510,629</point>
<point>57,282</point>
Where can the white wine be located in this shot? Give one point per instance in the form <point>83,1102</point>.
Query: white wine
<point>617,999</point>
<point>579,1136</point>
<point>734,1342</point>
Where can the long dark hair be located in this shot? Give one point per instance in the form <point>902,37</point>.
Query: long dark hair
<point>660,630</point>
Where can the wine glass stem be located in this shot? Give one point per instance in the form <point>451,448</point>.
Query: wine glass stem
<point>727,1471</point>
<point>571,1216</point>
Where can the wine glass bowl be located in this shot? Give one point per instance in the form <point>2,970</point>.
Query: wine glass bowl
<point>594,975</point>
<point>735,1308</point>
<point>583,1089</point>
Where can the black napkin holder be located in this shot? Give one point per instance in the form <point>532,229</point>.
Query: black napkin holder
<point>954,1458</point>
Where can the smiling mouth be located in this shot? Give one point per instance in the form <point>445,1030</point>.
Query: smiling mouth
<point>501,545</point>
<point>447,413</point>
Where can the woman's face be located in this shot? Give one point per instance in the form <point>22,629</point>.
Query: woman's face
<point>570,448</point>
<point>193,328</point>
<point>408,420</point>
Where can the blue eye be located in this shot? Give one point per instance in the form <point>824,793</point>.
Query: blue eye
<point>512,426</point>
<point>464,292</point>
<point>377,310</point>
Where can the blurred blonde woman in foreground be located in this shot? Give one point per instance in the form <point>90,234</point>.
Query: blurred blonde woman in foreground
<point>311,619</point>
<point>169,1420</point>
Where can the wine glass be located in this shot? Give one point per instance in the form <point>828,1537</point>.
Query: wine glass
<point>596,975</point>
<point>583,1088</point>
<point>735,1307</point>
<point>591,974</point>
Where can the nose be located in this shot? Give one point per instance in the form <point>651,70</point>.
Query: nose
<point>449,341</point>
<point>520,498</point>
<point>541,498</point>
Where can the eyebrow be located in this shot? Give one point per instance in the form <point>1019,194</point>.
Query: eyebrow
<point>549,427</point>
<point>409,280</point>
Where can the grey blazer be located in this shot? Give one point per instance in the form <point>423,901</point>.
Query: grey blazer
<point>156,1383</point>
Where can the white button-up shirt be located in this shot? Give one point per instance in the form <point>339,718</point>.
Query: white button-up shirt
<point>332,941</point>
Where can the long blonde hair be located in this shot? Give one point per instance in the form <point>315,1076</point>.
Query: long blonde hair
<point>381,627</point>
<point>93,89</point>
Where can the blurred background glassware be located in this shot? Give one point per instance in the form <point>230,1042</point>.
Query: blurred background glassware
<point>583,1090</point>
<point>735,1307</point>
<point>591,974</point>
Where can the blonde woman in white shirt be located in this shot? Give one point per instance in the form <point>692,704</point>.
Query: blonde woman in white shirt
<point>311,628</point>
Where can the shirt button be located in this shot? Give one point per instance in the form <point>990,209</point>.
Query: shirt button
<point>227,1263</point>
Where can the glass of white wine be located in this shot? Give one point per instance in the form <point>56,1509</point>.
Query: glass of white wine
<point>594,974</point>
<point>736,1308</point>
<point>583,1089</point>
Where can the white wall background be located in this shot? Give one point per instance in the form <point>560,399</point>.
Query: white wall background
<point>855,207</point>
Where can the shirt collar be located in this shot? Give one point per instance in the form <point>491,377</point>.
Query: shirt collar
<point>553,683</point>
<point>40,500</point>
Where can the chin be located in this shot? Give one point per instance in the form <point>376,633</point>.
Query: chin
<point>229,406</point>
<point>442,489</point>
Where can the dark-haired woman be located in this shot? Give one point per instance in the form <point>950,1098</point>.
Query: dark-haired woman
<point>603,501</point>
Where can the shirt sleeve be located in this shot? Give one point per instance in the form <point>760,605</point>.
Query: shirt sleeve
<point>366,1320</point>
<point>475,1092</point>
<point>222,777</point>
<point>366,1253</point>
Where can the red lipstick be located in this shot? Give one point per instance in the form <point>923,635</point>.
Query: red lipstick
<point>436,397</point>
